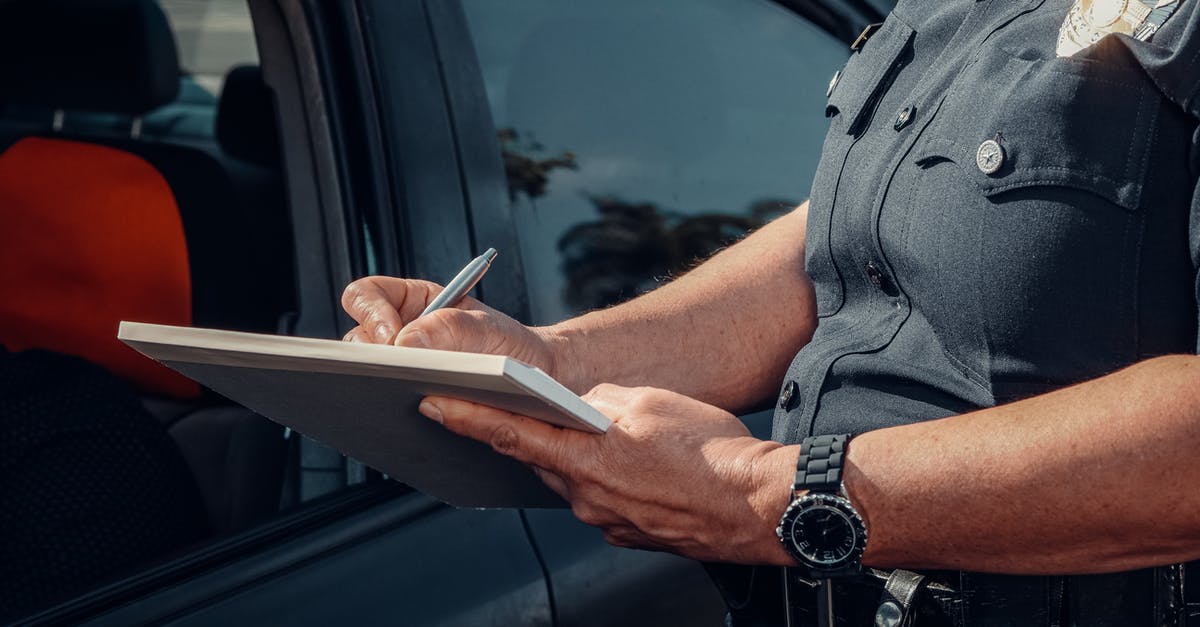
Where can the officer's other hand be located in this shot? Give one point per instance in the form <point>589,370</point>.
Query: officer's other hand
<point>671,473</point>
<point>386,310</point>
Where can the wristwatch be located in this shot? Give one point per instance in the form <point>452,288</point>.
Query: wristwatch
<point>821,530</point>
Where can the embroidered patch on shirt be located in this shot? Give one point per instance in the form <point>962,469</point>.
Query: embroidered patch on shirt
<point>1089,21</point>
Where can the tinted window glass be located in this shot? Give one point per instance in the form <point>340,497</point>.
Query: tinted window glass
<point>212,36</point>
<point>639,136</point>
<point>106,478</point>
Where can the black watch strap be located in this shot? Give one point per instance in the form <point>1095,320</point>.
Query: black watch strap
<point>819,468</point>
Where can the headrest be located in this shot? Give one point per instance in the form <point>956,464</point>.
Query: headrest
<point>112,56</point>
<point>246,126</point>
<point>91,236</point>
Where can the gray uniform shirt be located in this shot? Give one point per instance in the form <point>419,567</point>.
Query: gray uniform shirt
<point>952,276</point>
<point>944,284</point>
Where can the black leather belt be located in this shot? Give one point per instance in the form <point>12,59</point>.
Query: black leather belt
<point>1146,598</point>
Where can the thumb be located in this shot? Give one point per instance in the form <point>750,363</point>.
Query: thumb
<point>445,329</point>
<point>412,337</point>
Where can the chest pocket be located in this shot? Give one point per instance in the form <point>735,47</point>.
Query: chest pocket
<point>1057,122</point>
<point>854,95</point>
<point>867,75</point>
<point>1027,222</point>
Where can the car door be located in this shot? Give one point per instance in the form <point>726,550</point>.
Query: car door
<point>634,139</point>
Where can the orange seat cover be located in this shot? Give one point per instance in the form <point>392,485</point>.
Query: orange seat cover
<point>90,236</point>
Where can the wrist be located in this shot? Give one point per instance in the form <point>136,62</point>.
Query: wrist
<point>773,474</point>
<point>821,530</point>
<point>561,353</point>
<point>858,490</point>
<point>852,484</point>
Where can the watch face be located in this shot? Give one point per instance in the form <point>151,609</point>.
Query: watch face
<point>823,532</point>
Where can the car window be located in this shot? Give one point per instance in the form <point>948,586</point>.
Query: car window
<point>639,137</point>
<point>212,36</point>
<point>212,468</point>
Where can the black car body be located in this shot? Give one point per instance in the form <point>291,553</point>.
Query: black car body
<point>405,148</point>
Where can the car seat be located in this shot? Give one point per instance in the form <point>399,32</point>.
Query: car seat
<point>95,210</point>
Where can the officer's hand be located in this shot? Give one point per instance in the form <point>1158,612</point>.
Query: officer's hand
<point>671,473</point>
<point>382,306</point>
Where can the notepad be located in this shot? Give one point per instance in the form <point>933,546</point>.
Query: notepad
<point>361,399</point>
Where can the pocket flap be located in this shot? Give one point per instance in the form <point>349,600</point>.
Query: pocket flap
<point>867,74</point>
<point>1059,124</point>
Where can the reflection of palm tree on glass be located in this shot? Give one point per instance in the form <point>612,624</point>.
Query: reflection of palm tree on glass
<point>633,245</point>
<point>526,174</point>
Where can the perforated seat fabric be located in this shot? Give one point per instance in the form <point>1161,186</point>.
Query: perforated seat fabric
<point>90,485</point>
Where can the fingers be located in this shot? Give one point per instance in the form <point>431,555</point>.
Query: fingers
<point>525,439</point>
<point>627,537</point>
<point>453,414</point>
<point>613,400</point>
<point>453,329</point>
<point>412,336</point>
<point>556,483</point>
<point>377,303</point>
<point>357,334</point>
<point>382,305</point>
<point>409,336</point>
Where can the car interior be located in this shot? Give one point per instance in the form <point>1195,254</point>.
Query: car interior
<point>129,193</point>
<point>137,185</point>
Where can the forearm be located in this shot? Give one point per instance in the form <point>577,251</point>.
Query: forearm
<point>723,333</point>
<point>1099,477</point>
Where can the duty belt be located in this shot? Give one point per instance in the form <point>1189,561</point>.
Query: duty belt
<point>1147,598</point>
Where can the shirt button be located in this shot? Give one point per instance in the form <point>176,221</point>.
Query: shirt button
<point>837,77</point>
<point>990,157</point>
<point>874,275</point>
<point>881,280</point>
<point>790,397</point>
<point>904,117</point>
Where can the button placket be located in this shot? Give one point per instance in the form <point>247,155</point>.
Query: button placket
<point>881,317</point>
<point>789,398</point>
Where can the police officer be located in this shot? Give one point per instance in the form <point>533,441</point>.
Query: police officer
<point>994,409</point>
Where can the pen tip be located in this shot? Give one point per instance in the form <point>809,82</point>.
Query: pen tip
<point>490,254</point>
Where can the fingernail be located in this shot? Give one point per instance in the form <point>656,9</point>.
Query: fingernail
<point>384,333</point>
<point>413,338</point>
<point>430,411</point>
<point>353,337</point>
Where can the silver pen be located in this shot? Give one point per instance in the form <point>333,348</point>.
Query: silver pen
<point>462,282</point>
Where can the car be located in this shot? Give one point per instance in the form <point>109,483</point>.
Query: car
<point>601,147</point>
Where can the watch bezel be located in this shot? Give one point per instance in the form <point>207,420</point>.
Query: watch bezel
<point>852,562</point>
